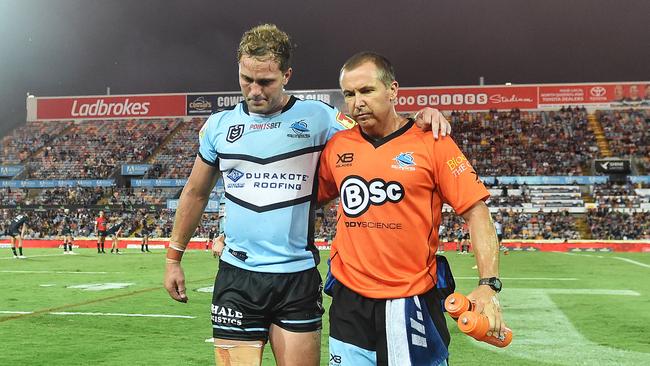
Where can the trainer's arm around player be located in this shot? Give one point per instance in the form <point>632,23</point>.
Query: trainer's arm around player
<point>486,250</point>
<point>191,205</point>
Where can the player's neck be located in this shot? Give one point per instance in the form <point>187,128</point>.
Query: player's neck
<point>382,129</point>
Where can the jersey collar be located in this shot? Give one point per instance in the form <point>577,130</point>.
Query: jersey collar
<point>378,142</point>
<point>290,103</point>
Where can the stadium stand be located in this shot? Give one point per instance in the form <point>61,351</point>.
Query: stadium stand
<point>498,143</point>
<point>94,149</point>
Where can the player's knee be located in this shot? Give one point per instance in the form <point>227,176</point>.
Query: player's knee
<point>236,353</point>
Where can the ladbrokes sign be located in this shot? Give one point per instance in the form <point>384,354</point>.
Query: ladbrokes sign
<point>111,107</point>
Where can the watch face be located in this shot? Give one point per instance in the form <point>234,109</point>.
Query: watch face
<point>496,284</point>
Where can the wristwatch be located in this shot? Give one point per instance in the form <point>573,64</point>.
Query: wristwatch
<point>493,282</point>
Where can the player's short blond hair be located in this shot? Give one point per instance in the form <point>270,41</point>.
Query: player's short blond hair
<point>264,41</point>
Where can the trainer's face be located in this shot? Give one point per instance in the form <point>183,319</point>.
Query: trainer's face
<point>369,101</point>
<point>262,83</point>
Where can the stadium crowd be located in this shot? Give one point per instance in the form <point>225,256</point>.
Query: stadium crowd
<point>498,143</point>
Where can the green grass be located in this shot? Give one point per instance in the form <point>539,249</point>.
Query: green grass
<point>555,322</point>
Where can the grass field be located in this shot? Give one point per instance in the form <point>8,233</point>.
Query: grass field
<point>564,308</point>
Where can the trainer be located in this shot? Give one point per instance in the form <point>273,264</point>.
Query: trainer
<point>393,179</point>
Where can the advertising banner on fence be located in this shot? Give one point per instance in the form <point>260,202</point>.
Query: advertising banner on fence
<point>410,99</point>
<point>8,171</point>
<point>467,98</point>
<point>207,104</point>
<point>57,183</point>
<point>605,95</point>
<point>135,169</point>
<point>129,106</point>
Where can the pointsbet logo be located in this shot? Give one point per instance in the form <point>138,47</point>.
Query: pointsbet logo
<point>101,108</point>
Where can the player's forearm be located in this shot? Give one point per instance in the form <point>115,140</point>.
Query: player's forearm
<point>484,240</point>
<point>191,205</point>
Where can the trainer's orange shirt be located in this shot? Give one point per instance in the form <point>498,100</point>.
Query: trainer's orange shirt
<point>391,196</point>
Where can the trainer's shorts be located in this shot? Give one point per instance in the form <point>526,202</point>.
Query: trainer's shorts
<point>368,332</point>
<point>246,303</point>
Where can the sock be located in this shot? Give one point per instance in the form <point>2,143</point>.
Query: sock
<point>20,250</point>
<point>146,247</point>
<point>65,247</point>
<point>70,246</point>
<point>97,247</point>
<point>102,247</point>
<point>142,248</point>
<point>13,249</point>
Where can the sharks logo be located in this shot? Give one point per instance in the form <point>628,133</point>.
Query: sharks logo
<point>300,129</point>
<point>405,161</point>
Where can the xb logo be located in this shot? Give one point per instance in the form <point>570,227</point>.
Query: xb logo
<point>234,133</point>
<point>344,158</point>
<point>357,195</point>
<point>335,359</point>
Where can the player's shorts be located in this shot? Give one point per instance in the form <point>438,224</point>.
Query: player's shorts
<point>144,233</point>
<point>66,231</point>
<point>500,237</point>
<point>246,303</point>
<point>12,233</point>
<point>101,233</point>
<point>365,332</point>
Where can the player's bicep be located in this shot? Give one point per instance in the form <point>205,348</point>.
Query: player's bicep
<point>458,182</point>
<point>327,190</point>
<point>203,177</point>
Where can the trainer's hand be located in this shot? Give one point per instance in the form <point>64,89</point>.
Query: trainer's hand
<point>218,244</point>
<point>175,282</point>
<point>486,302</point>
<point>430,118</point>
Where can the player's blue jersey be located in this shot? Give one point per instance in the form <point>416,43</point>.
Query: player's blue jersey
<point>269,163</point>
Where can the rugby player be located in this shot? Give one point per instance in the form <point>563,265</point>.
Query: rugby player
<point>16,231</point>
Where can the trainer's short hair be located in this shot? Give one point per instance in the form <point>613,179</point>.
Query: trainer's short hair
<point>385,71</point>
<point>264,41</point>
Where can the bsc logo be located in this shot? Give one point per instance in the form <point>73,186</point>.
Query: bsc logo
<point>357,195</point>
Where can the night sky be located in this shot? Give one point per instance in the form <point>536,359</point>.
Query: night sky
<point>79,47</point>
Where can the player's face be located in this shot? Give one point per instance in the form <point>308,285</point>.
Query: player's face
<point>369,101</point>
<point>262,83</point>
<point>618,92</point>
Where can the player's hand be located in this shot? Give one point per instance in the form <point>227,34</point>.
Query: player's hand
<point>486,302</point>
<point>430,118</point>
<point>218,244</point>
<point>175,282</point>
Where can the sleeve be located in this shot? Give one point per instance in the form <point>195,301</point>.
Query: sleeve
<point>207,142</point>
<point>339,122</point>
<point>327,189</point>
<point>456,179</point>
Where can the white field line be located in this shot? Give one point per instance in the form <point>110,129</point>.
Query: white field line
<point>105,314</point>
<point>543,332</point>
<point>633,262</point>
<point>57,272</point>
<point>601,257</point>
<point>38,255</point>
<point>523,278</point>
